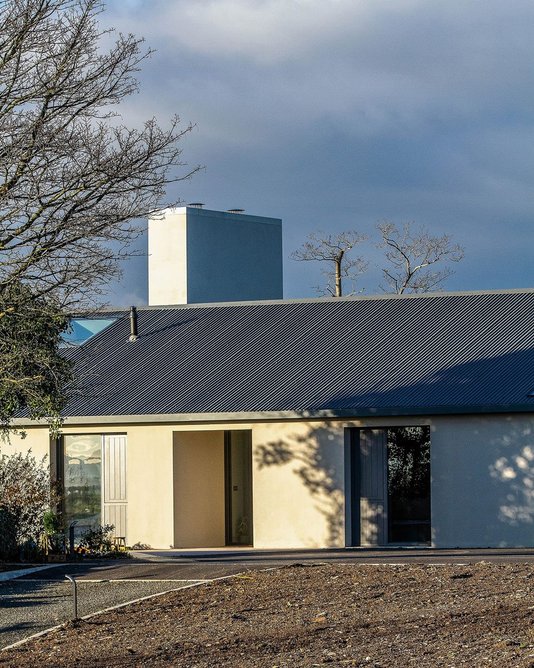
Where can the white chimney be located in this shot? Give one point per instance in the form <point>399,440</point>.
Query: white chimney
<point>200,256</point>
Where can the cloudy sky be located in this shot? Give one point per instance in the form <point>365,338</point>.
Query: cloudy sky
<point>336,114</point>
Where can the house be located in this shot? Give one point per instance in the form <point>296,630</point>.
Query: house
<point>305,423</point>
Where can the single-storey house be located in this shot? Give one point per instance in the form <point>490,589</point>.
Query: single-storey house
<point>304,423</point>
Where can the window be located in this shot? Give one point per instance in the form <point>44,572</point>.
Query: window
<point>94,481</point>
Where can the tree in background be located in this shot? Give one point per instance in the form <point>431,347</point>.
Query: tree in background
<point>73,180</point>
<point>412,254</point>
<point>334,249</point>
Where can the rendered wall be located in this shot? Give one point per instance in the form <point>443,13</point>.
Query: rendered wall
<point>167,258</point>
<point>37,440</point>
<point>200,256</point>
<point>483,481</point>
<point>298,485</point>
<point>482,472</point>
<point>232,257</point>
<point>199,505</point>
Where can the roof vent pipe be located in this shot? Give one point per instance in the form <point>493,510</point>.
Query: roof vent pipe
<point>133,323</point>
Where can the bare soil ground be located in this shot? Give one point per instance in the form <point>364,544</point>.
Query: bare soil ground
<point>331,615</point>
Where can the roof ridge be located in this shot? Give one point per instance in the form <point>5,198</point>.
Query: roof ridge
<point>318,300</point>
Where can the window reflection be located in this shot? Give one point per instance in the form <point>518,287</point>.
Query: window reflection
<point>82,480</point>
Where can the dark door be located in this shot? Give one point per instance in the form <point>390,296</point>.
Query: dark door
<point>238,474</point>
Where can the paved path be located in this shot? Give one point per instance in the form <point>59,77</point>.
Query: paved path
<point>40,600</point>
<point>251,558</point>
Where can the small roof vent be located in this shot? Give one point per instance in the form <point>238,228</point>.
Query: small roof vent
<point>236,210</point>
<point>196,205</point>
<point>133,324</point>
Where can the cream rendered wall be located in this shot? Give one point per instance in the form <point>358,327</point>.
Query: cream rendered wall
<point>199,499</point>
<point>483,481</point>
<point>37,440</point>
<point>298,485</point>
<point>482,470</point>
<point>167,258</point>
<point>149,478</point>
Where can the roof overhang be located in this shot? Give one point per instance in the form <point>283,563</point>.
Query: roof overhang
<point>282,416</point>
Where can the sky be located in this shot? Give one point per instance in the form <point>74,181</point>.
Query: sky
<point>336,114</point>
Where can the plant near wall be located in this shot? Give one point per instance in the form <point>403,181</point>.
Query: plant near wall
<point>25,497</point>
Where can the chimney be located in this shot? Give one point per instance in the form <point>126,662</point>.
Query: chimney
<point>133,324</point>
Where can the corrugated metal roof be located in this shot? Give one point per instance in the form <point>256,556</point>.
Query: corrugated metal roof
<point>423,354</point>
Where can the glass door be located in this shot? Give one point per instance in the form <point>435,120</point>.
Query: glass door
<point>409,485</point>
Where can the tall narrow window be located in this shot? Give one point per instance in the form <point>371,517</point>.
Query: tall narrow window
<point>408,457</point>
<point>82,493</point>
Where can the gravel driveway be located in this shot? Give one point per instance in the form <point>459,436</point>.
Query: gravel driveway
<point>36,602</point>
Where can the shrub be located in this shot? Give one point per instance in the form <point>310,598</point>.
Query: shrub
<point>25,496</point>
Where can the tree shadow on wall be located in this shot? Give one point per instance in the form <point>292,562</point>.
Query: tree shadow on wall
<point>315,460</point>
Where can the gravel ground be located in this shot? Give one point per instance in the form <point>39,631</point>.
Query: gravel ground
<point>305,616</point>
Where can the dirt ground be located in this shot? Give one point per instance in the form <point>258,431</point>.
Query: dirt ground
<point>331,615</point>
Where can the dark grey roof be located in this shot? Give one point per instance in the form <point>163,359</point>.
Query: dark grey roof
<point>421,354</point>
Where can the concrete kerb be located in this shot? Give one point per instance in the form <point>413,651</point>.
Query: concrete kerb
<point>20,572</point>
<point>117,607</point>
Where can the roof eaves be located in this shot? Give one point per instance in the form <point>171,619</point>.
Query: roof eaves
<point>280,416</point>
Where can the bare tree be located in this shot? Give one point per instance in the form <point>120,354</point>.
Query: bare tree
<point>74,182</point>
<point>73,178</point>
<point>411,255</point>
<point>334,249</point>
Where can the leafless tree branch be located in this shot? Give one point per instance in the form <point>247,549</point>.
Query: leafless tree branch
<point>334,249</point>
<point>74,180</point>
<point>411,254</point>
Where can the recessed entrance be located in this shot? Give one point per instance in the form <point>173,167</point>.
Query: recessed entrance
<point>212,488</point>
<point>390,486</point>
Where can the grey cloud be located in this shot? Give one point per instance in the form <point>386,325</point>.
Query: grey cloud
<point>338,113</point>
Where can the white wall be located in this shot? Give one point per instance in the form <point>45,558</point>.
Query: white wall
<point>167,258</point>
<point>482,472</point>
<point>298,485</point>
<point>199,256</point>
<point>483,481</point>
<point>199,510</point>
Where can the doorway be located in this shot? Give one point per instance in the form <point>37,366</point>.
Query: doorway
<point>238,487</point>
<point>390,486</point>
<point>212,488</point>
